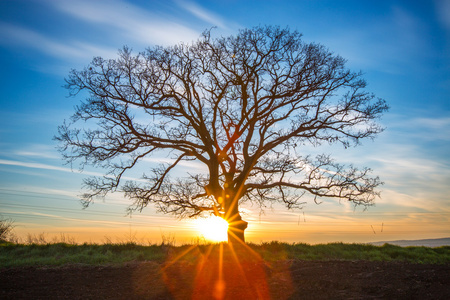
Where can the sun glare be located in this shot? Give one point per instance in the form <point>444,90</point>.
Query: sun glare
<point>213,229</point>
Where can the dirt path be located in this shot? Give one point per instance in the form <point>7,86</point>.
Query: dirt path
<point>250,280</point>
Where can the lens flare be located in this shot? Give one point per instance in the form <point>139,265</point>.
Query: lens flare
<point>213,229</point>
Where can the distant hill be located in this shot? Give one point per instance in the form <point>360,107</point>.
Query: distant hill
<point>426,243</point>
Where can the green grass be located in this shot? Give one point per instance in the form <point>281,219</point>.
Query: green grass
<point>57,254</point>
<point>15,255</point>
<point>341,251</point>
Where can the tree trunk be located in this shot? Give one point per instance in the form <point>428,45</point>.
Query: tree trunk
<point>236,230</point>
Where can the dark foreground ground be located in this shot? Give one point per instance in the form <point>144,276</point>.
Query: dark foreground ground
<point>253,279</point>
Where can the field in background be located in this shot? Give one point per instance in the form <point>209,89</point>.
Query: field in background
<point>57,254</point>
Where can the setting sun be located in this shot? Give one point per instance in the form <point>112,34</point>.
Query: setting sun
<point>213,229</point>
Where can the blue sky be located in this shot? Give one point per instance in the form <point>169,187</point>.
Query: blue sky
<point>403,47</point>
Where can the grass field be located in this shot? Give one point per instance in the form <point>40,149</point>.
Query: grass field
<point>57,254</point>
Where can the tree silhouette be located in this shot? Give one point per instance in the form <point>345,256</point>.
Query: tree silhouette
<point>244,106</point>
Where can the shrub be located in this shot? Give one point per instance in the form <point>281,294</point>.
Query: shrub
<point>6,226</point>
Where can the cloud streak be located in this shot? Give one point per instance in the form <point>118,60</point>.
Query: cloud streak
<point>115,22</point>
<point>202,13</point>
<point>389,44</point>
<point>128,20</point>
<point>12,34</point>
<point>33,165</point>
<point>42,166</point>
<point>38,151</point>
<point>443,12</point>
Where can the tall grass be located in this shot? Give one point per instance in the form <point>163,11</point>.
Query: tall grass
<point>6,227</point>
<point>57,254</point>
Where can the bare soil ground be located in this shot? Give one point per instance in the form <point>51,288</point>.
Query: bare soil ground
<point>248,279</point>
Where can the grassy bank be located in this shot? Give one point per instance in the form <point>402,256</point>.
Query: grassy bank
<point>341,251</point>
<point>57,254</point>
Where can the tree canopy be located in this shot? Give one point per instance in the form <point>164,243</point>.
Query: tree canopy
<point>245,106</point>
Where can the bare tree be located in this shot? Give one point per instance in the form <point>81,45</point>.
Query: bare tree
<point>244,106</point>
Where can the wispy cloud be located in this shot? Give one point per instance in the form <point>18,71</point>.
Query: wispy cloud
<point>437,128</point>
<point>12,34</point>
<point>412,180</point>
<point>128,20</point>
<point>202,13</point>
<point>69,219</point>
<point>52,192</point>
<point>115,23</point>
<point>38,151</point>
<point>388,43</point>
<point>190,165</point>
<point>435,123</point>
<point>443,12</point>
<point>410,203</point>
<point>42,166</point>
<point>420,128</point>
